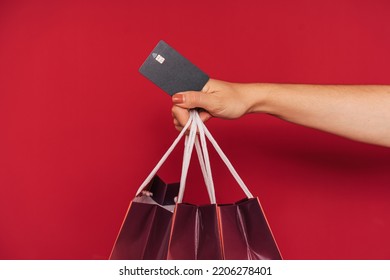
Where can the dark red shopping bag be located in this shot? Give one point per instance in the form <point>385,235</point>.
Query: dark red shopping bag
<point>245,232</point>
<point>195,234</point>
<point>228,231</point>
<point>145,231</point>
<point>146,228</point>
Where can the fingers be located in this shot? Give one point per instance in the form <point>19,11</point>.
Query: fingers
<point>192,99</point>
<point>183,101</point>
<point>177,125</point>
<point>204,116</point>
<point>180,116</point>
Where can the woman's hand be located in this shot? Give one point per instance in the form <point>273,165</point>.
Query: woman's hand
<point>217,99</point>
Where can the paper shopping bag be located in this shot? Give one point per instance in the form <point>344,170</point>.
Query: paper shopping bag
<point>195,233</point>
<point>228,231</point>
<point>145,230</point>
<point>245,232</point>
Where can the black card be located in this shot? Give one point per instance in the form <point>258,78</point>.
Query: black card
<point>172,72</point>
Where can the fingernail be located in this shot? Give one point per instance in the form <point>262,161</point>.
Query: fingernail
<point>178,98</point>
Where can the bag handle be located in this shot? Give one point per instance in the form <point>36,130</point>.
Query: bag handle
<point>165,156</point>
<point>192,140</point>
<point>202,127</point>
<point>206,175</point>
<point>189,145</point>
<point>203,156</point>
<point>187,152</point>
<point>204,159</point>
<point>201,149</point>
<point>204,151</point>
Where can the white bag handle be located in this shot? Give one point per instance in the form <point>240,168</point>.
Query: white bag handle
<point>165,156</point>
<point>224,158</point>
<point>196,124</point>
<point>189,145</point>
<point>209,183</point>
<point>204,151</point>
<point>188,152</point>
<point>203,157</point>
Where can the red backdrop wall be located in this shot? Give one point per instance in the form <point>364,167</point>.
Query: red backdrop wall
<point>80,128</point>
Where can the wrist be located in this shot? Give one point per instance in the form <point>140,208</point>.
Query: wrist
<point>256,97</point>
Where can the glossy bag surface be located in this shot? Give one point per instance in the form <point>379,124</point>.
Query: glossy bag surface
<point>195,233</point>
<point>146,228</point>
<point>237,231</point>
<point>245,232</point>
<point>156,227</point>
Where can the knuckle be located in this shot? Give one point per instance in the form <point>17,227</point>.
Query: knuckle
<point>193,97</point>
<point>175,111</point>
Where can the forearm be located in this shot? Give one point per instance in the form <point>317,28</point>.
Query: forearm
<point>357,112</point>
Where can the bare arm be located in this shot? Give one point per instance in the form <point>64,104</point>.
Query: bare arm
<point>357,112</point>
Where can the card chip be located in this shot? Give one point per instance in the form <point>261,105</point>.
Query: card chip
<point>173,73</point>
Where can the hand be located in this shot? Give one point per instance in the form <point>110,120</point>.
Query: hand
<point>358,112</point>
<point>217,99</point>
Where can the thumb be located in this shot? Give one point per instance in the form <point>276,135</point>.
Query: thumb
<point>192,99</point>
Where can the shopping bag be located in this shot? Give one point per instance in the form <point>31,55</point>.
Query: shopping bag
<point>196,234</point>
<point>145,230</point>
<point>245,232</point>
<point>146,227</point>
<point>230,231</point>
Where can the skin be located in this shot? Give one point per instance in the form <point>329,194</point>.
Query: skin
<point>357,112</point>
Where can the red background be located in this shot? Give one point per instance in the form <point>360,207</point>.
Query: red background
<point>80,128</point>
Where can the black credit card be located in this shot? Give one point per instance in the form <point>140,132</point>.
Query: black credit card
<point>171,71</point>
